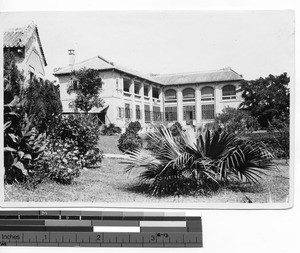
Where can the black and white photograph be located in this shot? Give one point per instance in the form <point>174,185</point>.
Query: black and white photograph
<point>148,108</point>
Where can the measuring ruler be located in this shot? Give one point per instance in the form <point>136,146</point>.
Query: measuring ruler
<point>99,229</point>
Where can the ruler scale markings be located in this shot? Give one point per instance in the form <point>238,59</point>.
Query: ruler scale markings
<point>79,227</point>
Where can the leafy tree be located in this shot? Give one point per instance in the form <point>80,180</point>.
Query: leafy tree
<point>267,98</point>
<point>42,103</point>
<point>89,85</point>
<point>234,120</point>
<point>13,78</point>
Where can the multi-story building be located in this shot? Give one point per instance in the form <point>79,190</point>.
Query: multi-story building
<point>25,44</point>
<point>193,99</point>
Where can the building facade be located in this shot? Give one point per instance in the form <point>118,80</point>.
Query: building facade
<point>27,48</point>
<point>192,99</point>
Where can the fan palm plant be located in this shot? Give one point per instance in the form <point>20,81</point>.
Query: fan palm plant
<point>186,162</point>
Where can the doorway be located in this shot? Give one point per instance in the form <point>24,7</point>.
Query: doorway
<point>189,114</point>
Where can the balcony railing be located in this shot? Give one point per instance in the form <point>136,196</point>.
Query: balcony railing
<point>126,93</point>
<point>151,116</point>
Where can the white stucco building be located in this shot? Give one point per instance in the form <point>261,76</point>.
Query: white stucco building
<point>193,99</point>
<point>25,44</point>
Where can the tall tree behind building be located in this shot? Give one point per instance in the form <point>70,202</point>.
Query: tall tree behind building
<point>87,85</point>
<point>267,99</point>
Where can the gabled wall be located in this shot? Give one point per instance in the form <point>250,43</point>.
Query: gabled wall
<point>31,59</point>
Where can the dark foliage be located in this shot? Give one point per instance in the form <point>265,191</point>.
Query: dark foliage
<point>234,120</point>
<point>267,98</point>
<point>84,131</point>
<point>111,129</point>
<point>176,128</point>
<point>13,79</point>
<point>29,155</point>
<point>42,102</point>
<point>89,86</point>
<point>276,142</point>
<point>63,164</point>
<point>23,145</point>
<point>204,163</point>
<point>130,140</point>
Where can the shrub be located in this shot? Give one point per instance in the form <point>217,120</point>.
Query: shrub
<point>236,121</point>
<point>130,140</point>
<point>134,127</point>
<point>29,156</point>
<point>84,131</point>
<point>176,128</point>
<point>23,145</point>
<point>198,163</point>
<point>63,164</point>
<point>275,142</point>
<point>42,103</point>
<point>111,129</point>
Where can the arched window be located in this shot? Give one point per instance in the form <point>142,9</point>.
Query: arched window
<point>207,94</point>
<point>188,94</point>
<point>170,96</point>
<point>228,92</point>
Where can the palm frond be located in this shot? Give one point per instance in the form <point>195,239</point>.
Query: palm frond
<point>247,162</point>
<point>178,163</point>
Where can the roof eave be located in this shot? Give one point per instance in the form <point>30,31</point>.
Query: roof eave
<point>109,69</point>
<point>169,84</point>
<point>40,45</point>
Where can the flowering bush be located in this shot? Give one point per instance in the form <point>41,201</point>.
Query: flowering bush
<point>84,132</point>
<point>62,158</point>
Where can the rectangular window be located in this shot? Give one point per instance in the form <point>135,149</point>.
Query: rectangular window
<point>208,111</point>
<point>136,88</point>
<point>171,113</point>
<point>120,112</point>
<point>126,85</point>
<point>156,113</point>
<point>73,84</point>
<point>138,112</point>
<point>127,111</point>
<point>147,113</point>
<point>155,92</point>
<point>117,84</point>
<point>146,91</point>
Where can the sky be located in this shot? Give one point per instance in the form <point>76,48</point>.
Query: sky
<point>253,43</point>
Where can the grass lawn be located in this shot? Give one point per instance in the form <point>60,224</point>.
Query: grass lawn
<point>109,144</point>
<point>109,184</point>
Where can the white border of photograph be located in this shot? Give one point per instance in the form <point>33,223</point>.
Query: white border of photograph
<point>289,204</point>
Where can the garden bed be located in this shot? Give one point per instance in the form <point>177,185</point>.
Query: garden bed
<point>109,183</point>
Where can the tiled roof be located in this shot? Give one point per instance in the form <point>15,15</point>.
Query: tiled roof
<point>226,74</point>
<point>19,37</point>
<point>100,63</point>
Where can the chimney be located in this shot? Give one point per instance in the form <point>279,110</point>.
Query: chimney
<point>71,57</point>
